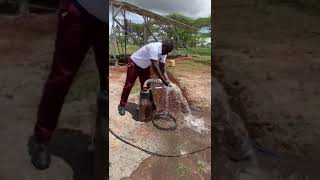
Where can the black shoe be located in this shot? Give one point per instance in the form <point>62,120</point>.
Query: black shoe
<point>122,110</point>
<point>154,107</point>
<point>40,156</point>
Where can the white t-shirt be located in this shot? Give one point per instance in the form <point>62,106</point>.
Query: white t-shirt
<point>143,56</point>
<point>97,8</point>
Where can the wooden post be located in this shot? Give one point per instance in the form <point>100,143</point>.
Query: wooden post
<point>125,32</point>
<point>113,37</point>
<point>145,30</point>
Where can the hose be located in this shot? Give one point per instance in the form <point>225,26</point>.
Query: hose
<point>162,128</point>
<point>171,128</point>
<point>155,153</point>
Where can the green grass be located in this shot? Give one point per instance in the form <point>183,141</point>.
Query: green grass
<point>84,87</point>
<point>201,167</point>
<point>182,170</point>
<point>130,49</point>
<point>200,51</point>
<point>135,88</point>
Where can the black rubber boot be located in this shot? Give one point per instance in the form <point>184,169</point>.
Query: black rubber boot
<point>40,157</point>
<point>121,110</point>
<point>101,138</point>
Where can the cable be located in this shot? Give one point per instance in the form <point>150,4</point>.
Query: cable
<point>154,153</point>
<point>162,128</point>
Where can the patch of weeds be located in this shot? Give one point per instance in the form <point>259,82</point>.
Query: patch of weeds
<point>181,169</point>
<point>84,87</point>
<point>201,51</point>
<point>197,63</point>
<point>201,167</point>
<point>136,88</point>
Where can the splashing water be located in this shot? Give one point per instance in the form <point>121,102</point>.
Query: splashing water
<point>184,105</point>
<point>168,90</point>
<point>190,120</point>
<point>196,123</point>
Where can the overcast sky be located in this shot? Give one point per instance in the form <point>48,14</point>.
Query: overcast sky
<point>190,8</point>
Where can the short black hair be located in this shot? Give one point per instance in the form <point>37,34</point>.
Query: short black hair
<point>168,44</point>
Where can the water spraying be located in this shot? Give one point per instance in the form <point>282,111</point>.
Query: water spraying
<point>172,93</point>
<point>163,116</point>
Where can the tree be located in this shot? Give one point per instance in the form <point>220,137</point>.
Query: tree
<point>189,37</point>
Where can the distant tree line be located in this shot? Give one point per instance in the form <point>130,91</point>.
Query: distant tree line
<point>186,36</point>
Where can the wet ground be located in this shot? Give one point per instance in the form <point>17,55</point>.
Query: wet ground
<point>126,161</point>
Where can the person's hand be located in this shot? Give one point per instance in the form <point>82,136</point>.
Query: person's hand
<point>167,83</point>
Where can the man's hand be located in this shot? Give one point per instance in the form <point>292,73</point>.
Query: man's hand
<point>163,70</point>
<point>167,83</point>
<point>156,68</point>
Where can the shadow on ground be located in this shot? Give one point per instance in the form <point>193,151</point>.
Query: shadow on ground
<point>132,108</point>
<point>71,146</point>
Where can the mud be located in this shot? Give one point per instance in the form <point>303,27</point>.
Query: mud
<point>269,75</point>
<point>193,167</point>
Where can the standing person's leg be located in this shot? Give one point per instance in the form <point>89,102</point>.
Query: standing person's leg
<point>132,74</point>
<point>100,46</point>
<point>144,75</point>
<point>99,138</point>
<point>70,49</point>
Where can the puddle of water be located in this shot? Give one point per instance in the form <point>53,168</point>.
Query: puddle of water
<point>184,105</point>
<point>190,120</point>
<point>196,123</point>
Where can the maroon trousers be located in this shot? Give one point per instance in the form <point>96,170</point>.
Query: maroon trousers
<point>133,72</point>
<point>78,31</point>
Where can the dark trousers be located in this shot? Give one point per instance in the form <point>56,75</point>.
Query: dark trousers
<point>133,72</point>
<point>77,32</point>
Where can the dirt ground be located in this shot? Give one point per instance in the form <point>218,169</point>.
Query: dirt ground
<point>127,162</point>
<point>268,61</point>
<point>26,48</point>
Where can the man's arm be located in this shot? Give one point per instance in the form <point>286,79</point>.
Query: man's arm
<point>156,68</point>
<point>163,70</point>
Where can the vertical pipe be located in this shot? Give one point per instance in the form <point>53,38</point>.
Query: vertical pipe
<point>126,32</point>
<point>145,30</point>
<point>113,36</point>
